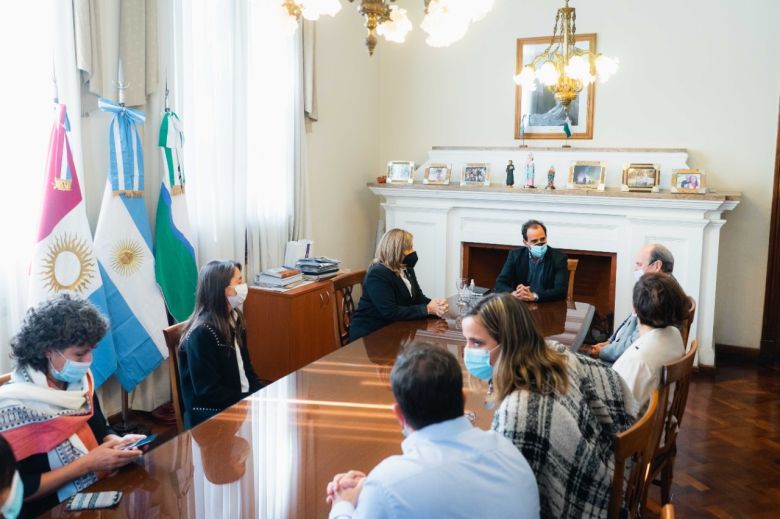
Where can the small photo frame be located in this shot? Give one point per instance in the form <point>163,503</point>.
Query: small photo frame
<point>587,174</point>
<point>475,174</point>
<point>641,177</point>
<point>688,181</point>
<point>437,174</point>
<point>400,172</point>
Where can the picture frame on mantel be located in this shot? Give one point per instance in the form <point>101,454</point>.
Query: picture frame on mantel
<point>688,181</point>
<point>437,174</point>
<point>475,174</point>
<point>641,177</point>
<point>537,114</point>
<point>400,172</point>
<point>587,174</point>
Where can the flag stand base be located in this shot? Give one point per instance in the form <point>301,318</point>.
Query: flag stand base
<point>126,426</point>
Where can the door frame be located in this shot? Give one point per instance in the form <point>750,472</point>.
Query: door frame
<point>770,330</point>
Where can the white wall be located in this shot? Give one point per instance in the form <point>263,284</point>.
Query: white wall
<point>343,144</point>
<point>699,74</point>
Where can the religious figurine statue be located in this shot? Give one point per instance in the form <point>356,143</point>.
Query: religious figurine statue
<point>530,170</point>
<point>510,174</point>
<point>550,178</point>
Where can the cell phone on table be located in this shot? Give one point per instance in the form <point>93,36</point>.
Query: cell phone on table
<point>93,500</point>
<point>140,443</point>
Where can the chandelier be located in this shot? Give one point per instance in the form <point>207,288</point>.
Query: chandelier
<point>563,68</point>
<point>445,21</point>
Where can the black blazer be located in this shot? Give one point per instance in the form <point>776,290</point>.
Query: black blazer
<point>209,373</point>
<point>555,274</point>
<point>385,300</point>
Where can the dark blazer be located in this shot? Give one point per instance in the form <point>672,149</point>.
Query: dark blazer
<point>555,274</point>
<point>209,373</point>
<point>385,300</point>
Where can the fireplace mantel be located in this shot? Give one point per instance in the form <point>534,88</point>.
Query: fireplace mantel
<point>443,217</point>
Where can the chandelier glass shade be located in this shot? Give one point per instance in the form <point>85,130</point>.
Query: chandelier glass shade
<point>445,21</point>
<point>563,68</point>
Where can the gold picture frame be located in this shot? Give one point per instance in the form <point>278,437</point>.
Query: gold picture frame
<point>400,172</point>
<point>437,173</point>
<point>641,177</point>
<point>541,100</point>
<point>475,174</point>
<point>587,174</point>
<point>688,181</point>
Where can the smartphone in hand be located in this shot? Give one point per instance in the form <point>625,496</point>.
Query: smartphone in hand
<point>139,443</point>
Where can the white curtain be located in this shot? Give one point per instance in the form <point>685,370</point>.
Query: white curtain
<point>26,91</point>
<point>238,90</point>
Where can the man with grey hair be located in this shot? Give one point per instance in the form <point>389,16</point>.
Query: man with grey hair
<point>650,258</point>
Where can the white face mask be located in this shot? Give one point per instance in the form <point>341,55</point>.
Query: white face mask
<point>638,274</point>
<point>241,292</point>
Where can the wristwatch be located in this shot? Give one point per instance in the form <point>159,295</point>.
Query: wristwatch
<point>536,296</point>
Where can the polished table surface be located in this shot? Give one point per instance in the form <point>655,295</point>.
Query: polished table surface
<point>272,454</point>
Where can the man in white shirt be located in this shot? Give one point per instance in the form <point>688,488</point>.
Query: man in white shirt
<point>660,306</point>
<point>448,467</point>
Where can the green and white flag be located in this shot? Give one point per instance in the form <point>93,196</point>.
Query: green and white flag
<point>176,266</point>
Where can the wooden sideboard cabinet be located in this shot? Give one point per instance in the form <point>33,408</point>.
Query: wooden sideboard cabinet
<point>288,330</point>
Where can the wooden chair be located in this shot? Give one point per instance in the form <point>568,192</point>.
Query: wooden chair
<point>667,512</point>
<point>5,378</point>
<point>635,446</point>
<point>685,326</point>
<point>678,375</point>
<point>345,302</point>
<point>172,338</point>
<point>572,267</point>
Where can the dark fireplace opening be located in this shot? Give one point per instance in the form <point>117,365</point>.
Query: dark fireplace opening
<point>594,280</point>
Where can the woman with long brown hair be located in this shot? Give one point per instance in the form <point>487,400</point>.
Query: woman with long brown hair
<point>390,289</point>
<point>562,410</point>
<point>213,357</point>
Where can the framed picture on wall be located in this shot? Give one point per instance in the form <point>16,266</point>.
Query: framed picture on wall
<point>437,174</point>
<point>537,114</point>
<point>641,177</point>
<point>688,181</point>
<point>587,174</point>
<point>400,172</point>
<point>475,174</point>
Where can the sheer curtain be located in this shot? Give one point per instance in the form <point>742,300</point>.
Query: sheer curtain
<point>239,92</point>
<point>27,40</point>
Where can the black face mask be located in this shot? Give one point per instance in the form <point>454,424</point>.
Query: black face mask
<point>410,260</point>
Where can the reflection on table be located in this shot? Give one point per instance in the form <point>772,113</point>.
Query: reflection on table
<point>272,454</point>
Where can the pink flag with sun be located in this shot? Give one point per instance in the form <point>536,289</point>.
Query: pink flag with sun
<point>64,259</point>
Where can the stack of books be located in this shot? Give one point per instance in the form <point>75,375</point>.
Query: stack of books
<point>318,267</point>
<point>279,277</point>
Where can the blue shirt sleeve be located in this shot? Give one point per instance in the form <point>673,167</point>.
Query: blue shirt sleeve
<point>623,339</point>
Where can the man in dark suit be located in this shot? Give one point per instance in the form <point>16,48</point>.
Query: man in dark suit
<point>535,272</point>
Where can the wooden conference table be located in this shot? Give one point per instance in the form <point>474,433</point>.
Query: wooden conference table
<point>272,454</point>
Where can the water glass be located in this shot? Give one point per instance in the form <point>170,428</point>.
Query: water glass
<point>462,286</point>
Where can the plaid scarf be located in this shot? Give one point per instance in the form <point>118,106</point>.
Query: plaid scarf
<point>569,439</point>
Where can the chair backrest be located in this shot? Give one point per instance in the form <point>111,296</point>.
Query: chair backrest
<point>685,326</point>
<point>678,375</point>
<point>667,512</point>
<point>572,266</point>
<point>635,446</point>
<point>345,301</point>
<point>4,378</point>
<point>172,338</point>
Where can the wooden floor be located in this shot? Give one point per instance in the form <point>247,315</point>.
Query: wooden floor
<point>728,462</point>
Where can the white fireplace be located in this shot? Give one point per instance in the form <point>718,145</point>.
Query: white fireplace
<point>443,217</point>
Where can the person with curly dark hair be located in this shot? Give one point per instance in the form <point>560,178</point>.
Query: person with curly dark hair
<point>49,413</point>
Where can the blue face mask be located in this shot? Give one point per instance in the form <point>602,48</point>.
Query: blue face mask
<point>477,362</point>
<point>13,505</point>
<point>538,251</point>
<point>72,371</point>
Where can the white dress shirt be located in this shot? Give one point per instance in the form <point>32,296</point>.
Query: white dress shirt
<point>449,469</point>
<point>239,359</point>
<point>640,365</point>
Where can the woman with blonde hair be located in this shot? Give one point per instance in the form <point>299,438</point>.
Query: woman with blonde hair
<point>562,410</point>
<point>390,289</point>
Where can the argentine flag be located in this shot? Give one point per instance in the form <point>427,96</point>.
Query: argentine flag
<point>64,259</point>
<point>174,255</point>
<point>123,244</point>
